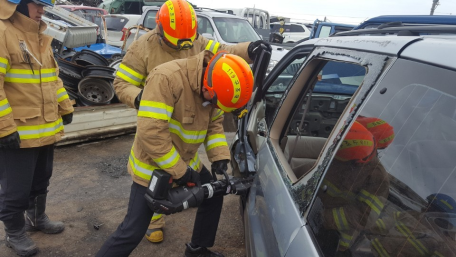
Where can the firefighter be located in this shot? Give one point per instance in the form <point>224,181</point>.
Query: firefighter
<point>175,37</point>
<point>34,106</point>
<point>181,108</point>
<point>355,187</point>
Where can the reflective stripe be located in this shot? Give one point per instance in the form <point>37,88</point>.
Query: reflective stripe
<point>156,110</point>
<point>335,192</point>
<point>168,160</point>
<point>62,95</point>
<point>234,82</point>
<point>5,108</point>
<point>212,46</point>
<point>175,40</point>
<point>381,226</point>
<point>129,75</point>
<point>29,76</point>
<point>40,131</point>
<point>188,136</point>
<point>172,15</point>
<point>371,200</point>
<point>218,114</point>
<point>192,13</point>
<point>379,248</point>
<point>156,216</point>
<point>345,239</point>
<point>195,162</point>
<point>215,141</point>
<point>340,219</point>
<point>437,254</point>
<point>224,108</point>
<point>140,169</point>
<point>401,227</point>
<point>3,65</point>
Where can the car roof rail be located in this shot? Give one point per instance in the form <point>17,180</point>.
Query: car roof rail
<point>401,31</point>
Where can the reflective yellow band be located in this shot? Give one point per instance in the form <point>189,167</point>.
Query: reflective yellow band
<point>169,160</point>
<point>156,110</point>
<point>335,192</point>
<point>140,169</point>
<point>381,226</point>
<point>129,75</point>
<point>3,65</point>
<point>156,216</point>
<point>375,123</point>
<point>401,227</point>
<point>212,46</point>
<point>175,40</point>
<point>437,254</point>
<point>192,13</point>
<point>374,203</point>
<point>355,142</point>
<point>5,108</point>
<point>62,95</point>
<point>172,14</point>
<point>345,239</point>
<point>340,219</point>
<point>29,76</point>
<point>187,136</point>
<point>40,131</point>
<point>234,81</point>
<point>224,108</point>
<point>195,162</point>
<point>379,248</point>
<point>218,114</point>
<point>215,140</point>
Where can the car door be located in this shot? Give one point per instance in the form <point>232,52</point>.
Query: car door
<point>294,135</point>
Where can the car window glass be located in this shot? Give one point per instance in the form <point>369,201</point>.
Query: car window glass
<point>149,20</point>
<point>204,26</point>
<point>115,23</point>
<point>235,30</point>
<point>390,189</point>
<point>297,28</point>
<point>335,84</point>
<point>325,31</point>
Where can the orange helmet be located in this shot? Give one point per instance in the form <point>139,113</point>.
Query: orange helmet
<point>229,80</point>
<point>358,145</point>
<point>177,23</point>
<point>382,131</point>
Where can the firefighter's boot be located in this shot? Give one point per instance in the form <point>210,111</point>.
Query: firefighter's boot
<point>154,235</point>
<point>36,218</point>
<point>16,237</point>
<point>200,251</point>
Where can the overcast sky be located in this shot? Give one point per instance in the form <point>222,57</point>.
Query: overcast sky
<point>347,11</point>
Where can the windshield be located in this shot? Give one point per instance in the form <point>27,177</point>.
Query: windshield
<point>234,30</point>
<point>115,23</point>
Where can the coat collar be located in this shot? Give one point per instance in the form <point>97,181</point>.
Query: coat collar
<point>26,24</point>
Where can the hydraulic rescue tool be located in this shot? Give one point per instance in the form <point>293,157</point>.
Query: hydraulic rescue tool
<point>163,198</point>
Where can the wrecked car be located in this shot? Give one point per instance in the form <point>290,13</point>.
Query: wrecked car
<point>351,143</point>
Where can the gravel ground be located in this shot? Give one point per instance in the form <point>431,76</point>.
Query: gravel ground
<point>90,189</point>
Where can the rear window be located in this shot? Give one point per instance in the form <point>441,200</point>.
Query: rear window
<point>115,23</point>
<point>149,20</point>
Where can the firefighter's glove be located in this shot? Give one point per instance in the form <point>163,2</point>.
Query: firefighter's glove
<point>255,48</point>
<point>190,176</point>
<point>138,99</point>
<point>67,118</point>
<point>220,166</point>
<point>11,141</point>
<point>240,113</point>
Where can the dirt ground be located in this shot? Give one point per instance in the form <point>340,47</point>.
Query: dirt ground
<point>90,188</point>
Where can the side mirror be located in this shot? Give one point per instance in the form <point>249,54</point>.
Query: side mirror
<point>208,36</point>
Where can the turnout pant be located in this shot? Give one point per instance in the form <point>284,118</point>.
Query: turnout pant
<point>24,174</point>
<point>132,229</point>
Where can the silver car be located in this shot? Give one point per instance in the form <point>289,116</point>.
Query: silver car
<point>324,185</point>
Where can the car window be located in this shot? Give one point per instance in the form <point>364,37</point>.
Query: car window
<point>115,23</point>
<point>296,28</point>
<point>149,20</point>
<point>325,31</point>
<point>205,26</point>
<point>390,189</point>
<point>234,30</point>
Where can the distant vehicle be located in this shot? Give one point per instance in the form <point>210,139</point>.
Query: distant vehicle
<point>260,19</point>
<point>326,29</point>
<point>116,25</point>
<point>408,20</point>
<point>128,6</point>
<point>147,21</point>
<point>292,32</point>
<point>82,10</point>
<point>308,200</point>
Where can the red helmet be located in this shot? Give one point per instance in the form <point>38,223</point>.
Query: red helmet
<point>358,145</point>
<point>229,81</point>
<point>382,131</point>
<point>177,23</point>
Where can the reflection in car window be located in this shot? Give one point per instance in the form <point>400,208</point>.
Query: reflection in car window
<point>204,26</point>
<point>390,190</point>
<point>235,30</point>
